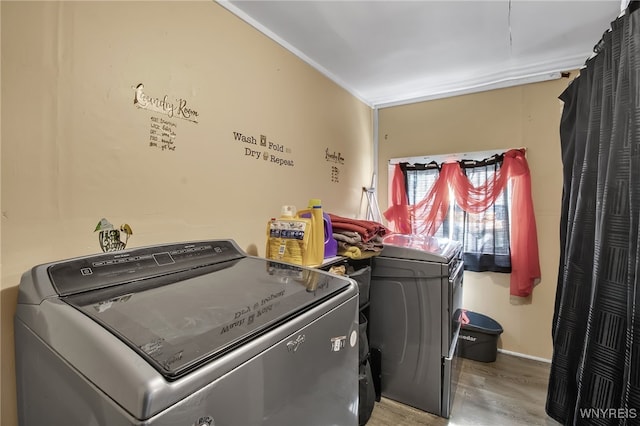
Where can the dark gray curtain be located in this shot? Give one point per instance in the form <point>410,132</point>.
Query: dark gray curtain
<point>595,370</point>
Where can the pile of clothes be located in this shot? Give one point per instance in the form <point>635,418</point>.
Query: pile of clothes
<point>357,238</point>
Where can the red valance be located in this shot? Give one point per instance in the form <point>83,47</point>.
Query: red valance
<point>430,212</point>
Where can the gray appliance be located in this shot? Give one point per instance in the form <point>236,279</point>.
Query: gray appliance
<point>415,306</point>
<point>188,334</point>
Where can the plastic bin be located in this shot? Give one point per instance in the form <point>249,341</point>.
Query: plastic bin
<point>478,339</point>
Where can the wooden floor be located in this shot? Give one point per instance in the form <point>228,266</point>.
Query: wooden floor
<point>510,391</point>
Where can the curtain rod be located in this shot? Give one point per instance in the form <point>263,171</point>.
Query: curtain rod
<point>626,8</point>
<point>443,158</point>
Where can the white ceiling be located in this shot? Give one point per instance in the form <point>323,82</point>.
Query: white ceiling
<point>390,52</point>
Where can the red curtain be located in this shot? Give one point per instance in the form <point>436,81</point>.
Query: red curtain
<point>398,215</point>
<point>430,212</point>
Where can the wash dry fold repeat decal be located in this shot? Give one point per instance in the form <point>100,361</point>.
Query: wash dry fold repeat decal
<point>273,152</point>
<point>262,148</point>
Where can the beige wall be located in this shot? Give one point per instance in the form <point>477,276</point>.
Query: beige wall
<point>524,116</point>
<point>2,344</point>
<point>76,149</point>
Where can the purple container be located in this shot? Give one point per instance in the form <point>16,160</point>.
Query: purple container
<point>330,243</point>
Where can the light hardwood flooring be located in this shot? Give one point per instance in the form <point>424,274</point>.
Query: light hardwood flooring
<point>511,391</point>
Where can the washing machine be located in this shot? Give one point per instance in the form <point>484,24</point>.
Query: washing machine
<point>185,334</point>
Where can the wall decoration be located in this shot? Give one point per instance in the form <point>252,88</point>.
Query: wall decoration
<point>336,158</point>
<point>335,174</point>
<point>164,105</point>
<point>333,157</point>
<point>109,237</point>
<point>269,151</point>
<point>162,134</point>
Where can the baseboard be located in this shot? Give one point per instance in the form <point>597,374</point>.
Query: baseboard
<point>518,354</point>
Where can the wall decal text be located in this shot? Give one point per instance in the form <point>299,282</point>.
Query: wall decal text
<point>335,174</point>
<point>162,134</point>
<point>333,157</point>
<point>336,158</point>
<point>164,105</point>
<point>269,151</point>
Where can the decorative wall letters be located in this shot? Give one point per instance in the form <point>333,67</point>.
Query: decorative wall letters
<point>162,132</point>
<point>336,158</point>
<point>165,106</point>
<point>270,151</point>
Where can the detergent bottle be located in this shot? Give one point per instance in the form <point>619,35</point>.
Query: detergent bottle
<point>288,237</point>
<point>330,245</point>
<point>315,255</point>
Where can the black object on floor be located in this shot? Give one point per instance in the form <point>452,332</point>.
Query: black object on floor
<point>366,393</point>
<point>376,367</point>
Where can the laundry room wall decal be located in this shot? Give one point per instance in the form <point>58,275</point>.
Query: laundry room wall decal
<point>333,157</point>
<point>162,131</point>
<point>162,134</point>
<point>336,158</point>
<point>164,105</point>
<point>270,151</point>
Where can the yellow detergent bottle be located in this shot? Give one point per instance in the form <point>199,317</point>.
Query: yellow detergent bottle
<point>288,237</point>
<point>315,255</point>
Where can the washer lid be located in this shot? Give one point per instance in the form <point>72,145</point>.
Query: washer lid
<point>180,320</point>
<point>420,247</point>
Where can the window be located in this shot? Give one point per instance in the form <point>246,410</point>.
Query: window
<point>420,178</point>
<point>485,235</point>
